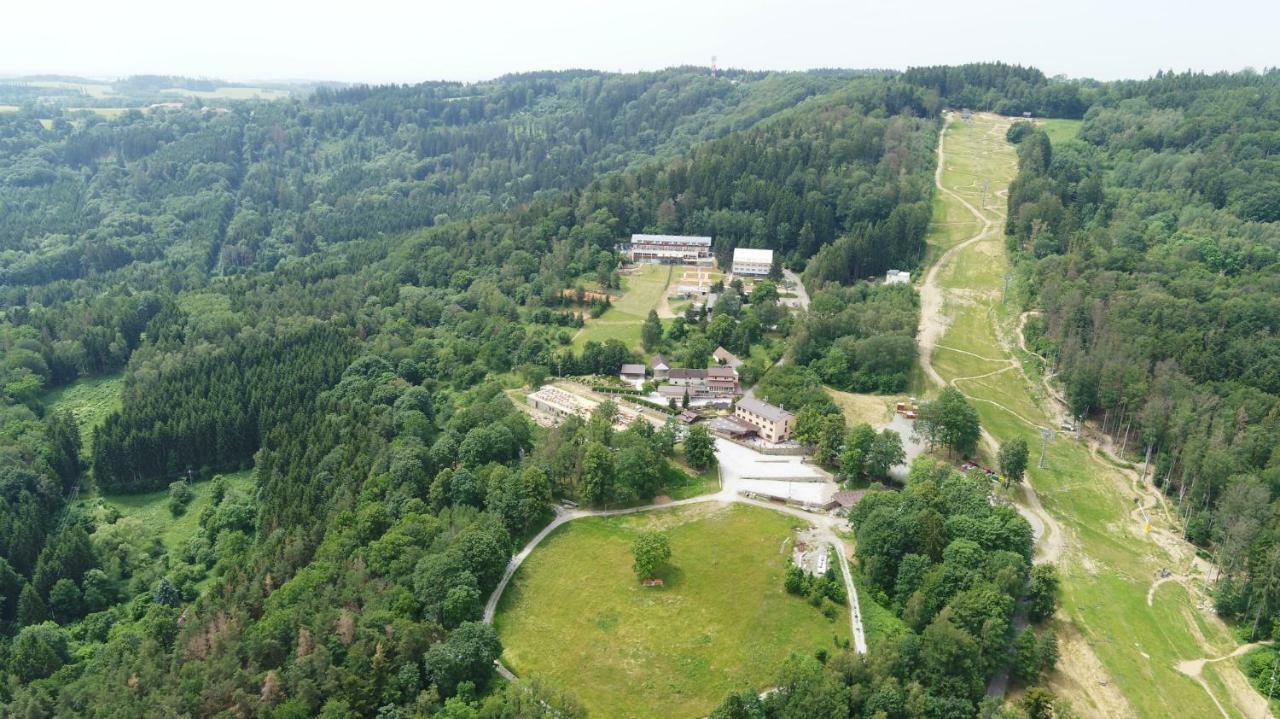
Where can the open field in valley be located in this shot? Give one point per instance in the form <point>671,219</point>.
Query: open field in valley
<point>90,400</point>
<point>576,614</point>
<point>1060,130</point>
<point>872,409</point>
<point>152,508</point>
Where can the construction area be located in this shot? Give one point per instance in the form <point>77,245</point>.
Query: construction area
<point>811,553</point>
<point>551,404</point>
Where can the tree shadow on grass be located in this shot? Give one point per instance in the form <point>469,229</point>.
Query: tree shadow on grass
<point>672,578</point>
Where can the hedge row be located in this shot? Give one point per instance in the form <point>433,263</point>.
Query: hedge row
<point>652,405</point>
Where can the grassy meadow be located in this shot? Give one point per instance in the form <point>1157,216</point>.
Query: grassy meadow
<point>576,614</point>
<point>1061,130</point>
<point>90,400</point>
<point>642,290</point>
<point>152,508</point>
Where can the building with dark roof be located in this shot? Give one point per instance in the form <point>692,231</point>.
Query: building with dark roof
<point>684,377</point>
<point>632,373</point>
<point>849,497</point>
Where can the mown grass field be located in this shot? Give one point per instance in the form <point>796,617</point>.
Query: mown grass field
<point>1120,657</point>
<point>576,615</point>
<point>642,291</point>
<point>152,508</point>
<point>872,409</point>
<point>1061,130</point>
<point>90,400</point>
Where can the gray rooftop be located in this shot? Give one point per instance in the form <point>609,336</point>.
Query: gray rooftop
<point>686,373</point>
<point>764,409</point>
<point>632,369</point>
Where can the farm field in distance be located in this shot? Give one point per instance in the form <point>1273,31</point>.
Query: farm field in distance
<point>721,623</point>
<point>102,90</point>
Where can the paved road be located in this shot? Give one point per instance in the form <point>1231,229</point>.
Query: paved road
<point>802,296</point>
<point>912,445</point>
<point>731,485</point>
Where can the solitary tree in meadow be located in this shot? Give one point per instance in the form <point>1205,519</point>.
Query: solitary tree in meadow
<point>651,551</point>
<point>651,332</point>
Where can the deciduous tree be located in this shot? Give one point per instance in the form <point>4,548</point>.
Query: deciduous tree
<point>650,552</point>
<point>1013,460</point>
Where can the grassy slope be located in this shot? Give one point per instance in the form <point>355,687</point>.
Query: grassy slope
<point>1061,130</point>
<point>1109,562</point>
<point>878,622</point>
<point>642,291</point>
<point>687,482</point>
<point>91,400</point>
<point>576,614</point>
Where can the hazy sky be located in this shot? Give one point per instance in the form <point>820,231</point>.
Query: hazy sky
<point>386,41</point>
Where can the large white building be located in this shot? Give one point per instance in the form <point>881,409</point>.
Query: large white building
<point>669,249</point>
<point>897,277</point>
<point>748,261</point>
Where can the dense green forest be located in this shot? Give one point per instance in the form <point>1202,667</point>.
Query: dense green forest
<point>337,290</point>
<point>954,568</point>
<point>1004,89</point>
<point>1152,244</point>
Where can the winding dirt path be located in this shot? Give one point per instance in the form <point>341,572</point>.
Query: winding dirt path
<point>1102,448</point>
<point>1251,701</point>
<point>1151,593</point>
<point>1188,569</point>
<point>933,325</point>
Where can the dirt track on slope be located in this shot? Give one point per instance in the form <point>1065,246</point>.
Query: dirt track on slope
<point>1243,697</point>
<point>933,325</point>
